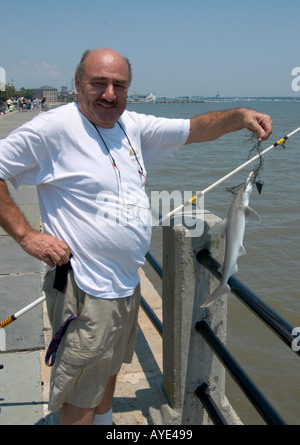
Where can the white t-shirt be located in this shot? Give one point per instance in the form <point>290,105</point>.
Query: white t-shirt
<point>100,210</point>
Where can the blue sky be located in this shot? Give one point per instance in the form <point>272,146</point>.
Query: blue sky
<point>186,47</point>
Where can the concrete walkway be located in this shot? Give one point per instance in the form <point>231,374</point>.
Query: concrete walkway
<point>24,379</point>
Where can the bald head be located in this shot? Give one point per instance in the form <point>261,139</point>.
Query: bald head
<point>104,54</point>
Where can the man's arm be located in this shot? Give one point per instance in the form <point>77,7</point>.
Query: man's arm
<point>42,246</point>
<point>210,126</point>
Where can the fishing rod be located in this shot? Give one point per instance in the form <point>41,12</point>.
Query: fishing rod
<point>215,184</point>
<point>12,318</point>
<point>18,314</point>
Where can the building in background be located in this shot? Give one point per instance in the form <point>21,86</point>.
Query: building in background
<point>46,91</point>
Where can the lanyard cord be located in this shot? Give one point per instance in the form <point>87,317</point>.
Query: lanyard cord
<point>108,151</point>
<point>140,171</point>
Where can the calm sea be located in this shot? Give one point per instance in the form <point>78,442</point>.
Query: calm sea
<point>271,266</point>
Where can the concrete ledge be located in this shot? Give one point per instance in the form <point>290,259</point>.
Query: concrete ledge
<point>20,395</point>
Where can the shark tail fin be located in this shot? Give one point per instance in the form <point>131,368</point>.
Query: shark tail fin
<point>220,292</point>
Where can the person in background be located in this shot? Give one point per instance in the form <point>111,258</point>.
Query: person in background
<point>9,103</point>
<point>43,103</point>
<point>20,103</point>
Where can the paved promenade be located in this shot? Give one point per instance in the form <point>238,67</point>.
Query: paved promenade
<point>24,379</point>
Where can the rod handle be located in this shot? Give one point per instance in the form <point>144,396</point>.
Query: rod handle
<point>7,321</point>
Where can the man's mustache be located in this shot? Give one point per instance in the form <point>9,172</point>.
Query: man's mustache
<point>106,102</point>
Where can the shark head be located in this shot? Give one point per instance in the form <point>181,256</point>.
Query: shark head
<point>247,188</point>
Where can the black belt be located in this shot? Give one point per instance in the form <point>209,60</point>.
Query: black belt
<point>61,275</point>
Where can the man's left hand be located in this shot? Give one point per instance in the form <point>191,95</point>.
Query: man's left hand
<point>258,123</point>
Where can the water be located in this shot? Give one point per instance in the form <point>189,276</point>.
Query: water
<point>271,266</point>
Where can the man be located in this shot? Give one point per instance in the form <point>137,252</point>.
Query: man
<point>87,160</point>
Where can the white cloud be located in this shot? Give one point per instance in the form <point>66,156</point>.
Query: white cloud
<point>33,75</point>
<point>44,69</point>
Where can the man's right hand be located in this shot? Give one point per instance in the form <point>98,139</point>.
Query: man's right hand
<point>46,248</point>
<point>42,246</point>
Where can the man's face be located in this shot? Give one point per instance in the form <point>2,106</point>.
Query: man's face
<point>102,90</point>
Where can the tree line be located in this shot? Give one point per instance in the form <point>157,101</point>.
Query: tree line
<point>22,92</point>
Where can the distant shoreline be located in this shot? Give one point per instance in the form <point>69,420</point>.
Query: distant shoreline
<point>218,100</point>
<point>203,100</point>
<point>168,101</point>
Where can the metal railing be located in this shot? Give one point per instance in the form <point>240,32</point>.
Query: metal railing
<point>260,403</point>
<point>210,405</point>
<point>146,307</point>
<point>156,266</point>
<point>266,314</point>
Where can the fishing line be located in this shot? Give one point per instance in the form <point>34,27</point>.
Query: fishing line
<point>215,184</point>
<point>255,150</point>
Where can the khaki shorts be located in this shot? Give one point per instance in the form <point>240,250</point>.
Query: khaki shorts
<point>95,344</point>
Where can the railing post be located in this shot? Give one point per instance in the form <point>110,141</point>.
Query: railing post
<point>187,360</point>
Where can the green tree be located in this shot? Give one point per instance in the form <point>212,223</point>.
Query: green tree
<point>22,92</point>
<point>10,91</point>
<point>28,93</point>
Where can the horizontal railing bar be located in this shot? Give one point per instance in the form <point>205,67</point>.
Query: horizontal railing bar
<point>151,315</point>
<point>261,404</point>
<point>156,266</point>
<point>210,405</point>
<point>264,312</point>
